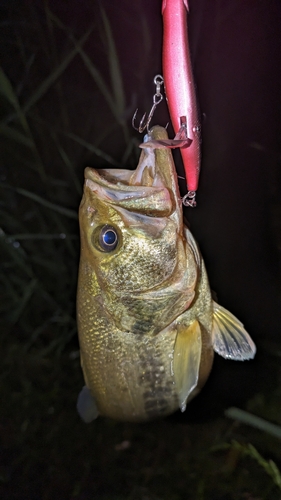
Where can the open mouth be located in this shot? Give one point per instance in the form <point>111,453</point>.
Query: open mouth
<point>147,173</point>
<point>142,190</point>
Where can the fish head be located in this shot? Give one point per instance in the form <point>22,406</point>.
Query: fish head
<point>134,259</point>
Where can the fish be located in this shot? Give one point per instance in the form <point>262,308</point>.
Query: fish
<point>148,326</point>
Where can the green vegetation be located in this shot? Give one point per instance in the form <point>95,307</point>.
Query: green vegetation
<point>63,106</point>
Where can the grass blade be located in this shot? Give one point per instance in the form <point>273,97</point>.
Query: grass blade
<point>96,75</point>
<point>100,82</point>
<point>7,90</point>
<point>68,212</point>
<point>16,136</point>
<point>28,291</point>
<point>259,423</point>
<point>41,236</point>
<point>48,82</point>
<point>116,77</point>
<point>53,206</point>
<point>69,165</point>
<point>93,149</point>
<point>268,465</point>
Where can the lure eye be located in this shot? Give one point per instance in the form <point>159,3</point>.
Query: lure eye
<point>108,238</point>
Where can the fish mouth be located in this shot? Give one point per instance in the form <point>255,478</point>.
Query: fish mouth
<point>141,199</point>
<point>148,172</point>
<point>150,189</point>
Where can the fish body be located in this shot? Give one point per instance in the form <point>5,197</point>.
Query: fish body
<point>147,324</point>
<point>179,84</point>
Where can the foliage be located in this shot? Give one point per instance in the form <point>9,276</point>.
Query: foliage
<point>41,175</point>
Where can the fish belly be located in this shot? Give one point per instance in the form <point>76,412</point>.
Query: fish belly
<point>130,375</point>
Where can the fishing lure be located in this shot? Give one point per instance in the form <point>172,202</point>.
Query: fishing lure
<point>179,86</point>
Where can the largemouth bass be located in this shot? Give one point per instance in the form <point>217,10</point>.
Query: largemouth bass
<point>148,326</point>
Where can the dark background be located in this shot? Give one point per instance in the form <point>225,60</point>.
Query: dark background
<point>56,118</point>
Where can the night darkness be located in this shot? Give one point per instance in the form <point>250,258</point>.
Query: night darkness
<point>63,108</point>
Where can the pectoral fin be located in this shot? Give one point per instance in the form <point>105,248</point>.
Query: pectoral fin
<point>187,356</point>
<point>230,339</point>
<point>86,406</point>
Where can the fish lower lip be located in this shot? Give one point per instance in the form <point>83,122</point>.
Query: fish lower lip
<point>112,187</point>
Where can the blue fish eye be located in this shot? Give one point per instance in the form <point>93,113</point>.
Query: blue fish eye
<point>108,238</point>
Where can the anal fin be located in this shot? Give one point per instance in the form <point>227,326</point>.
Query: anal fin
<point>229,337</point>
<point>187,357</point>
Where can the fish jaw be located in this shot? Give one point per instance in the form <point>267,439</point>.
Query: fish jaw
<point>149,279</point>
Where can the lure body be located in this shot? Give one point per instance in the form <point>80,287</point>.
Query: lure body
<point>147,323</point>
<point>179,84</point>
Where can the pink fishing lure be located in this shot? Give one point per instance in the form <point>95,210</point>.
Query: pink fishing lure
<point>179,85</point>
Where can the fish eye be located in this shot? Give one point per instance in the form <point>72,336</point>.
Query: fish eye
<point>108,238</point>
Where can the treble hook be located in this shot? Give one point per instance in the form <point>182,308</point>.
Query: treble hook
<point>157,98</point>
